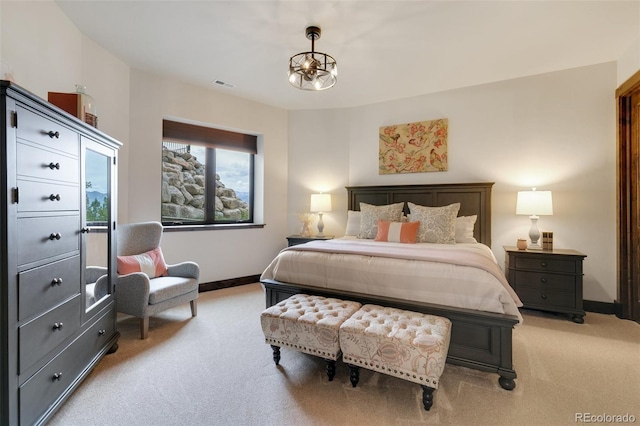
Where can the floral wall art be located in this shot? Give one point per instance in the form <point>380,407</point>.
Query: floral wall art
<point>414,147</point>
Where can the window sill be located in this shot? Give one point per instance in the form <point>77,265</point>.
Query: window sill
<point>216,227</point>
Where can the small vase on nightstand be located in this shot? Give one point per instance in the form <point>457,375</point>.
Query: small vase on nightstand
<point>521,244</point>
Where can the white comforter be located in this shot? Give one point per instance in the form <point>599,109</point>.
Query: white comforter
<point>402,272</point>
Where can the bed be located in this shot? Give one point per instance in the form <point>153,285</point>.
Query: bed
<point>481,333</point>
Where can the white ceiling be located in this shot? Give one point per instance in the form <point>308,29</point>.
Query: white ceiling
<point>385,49</point>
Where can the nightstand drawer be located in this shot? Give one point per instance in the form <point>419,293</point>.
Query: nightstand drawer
<point>546,298</point>
<point>541,279</point>
<point>554,265</point>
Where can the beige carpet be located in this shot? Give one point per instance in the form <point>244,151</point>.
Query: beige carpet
<point>215,369</point>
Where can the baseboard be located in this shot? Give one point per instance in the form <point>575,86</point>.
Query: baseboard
<point>232,282</point>
<point>599,307</point>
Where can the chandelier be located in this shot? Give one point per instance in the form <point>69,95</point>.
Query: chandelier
<point>313,70</point>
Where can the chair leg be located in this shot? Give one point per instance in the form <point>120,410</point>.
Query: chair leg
<point>144,328</point>
<point>194,307</point>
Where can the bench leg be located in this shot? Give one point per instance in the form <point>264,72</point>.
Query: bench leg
<point>354,374</point>
<point>427,397</point>
<point>331,368</point>
<point>276,354</point>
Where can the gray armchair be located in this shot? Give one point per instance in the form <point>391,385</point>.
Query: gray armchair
<point>142,297</point>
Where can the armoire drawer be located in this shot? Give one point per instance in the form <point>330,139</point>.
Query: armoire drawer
<point>36,128</point>
<point>41,197</point>
<point>43,164</point>
<point>41,288</point>
<point>40,391</point>
<point>46,236</point>
<point>41,335</point>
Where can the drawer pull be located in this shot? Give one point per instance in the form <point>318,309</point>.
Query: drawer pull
<point>53,134</point>
<point>543,280</point>
<point>57,376</point>
<point>56,281</point>
<point>58,325</point>
<point>54,166</point>
<point>54,197</point>
<point>543,264</point>
<point>102,332</point>
<point>55,236</point>
<point>544,296</point>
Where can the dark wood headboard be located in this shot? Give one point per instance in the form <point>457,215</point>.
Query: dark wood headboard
<point>474,198</point>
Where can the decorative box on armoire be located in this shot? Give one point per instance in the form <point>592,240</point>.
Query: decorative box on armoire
<point>57,254</point>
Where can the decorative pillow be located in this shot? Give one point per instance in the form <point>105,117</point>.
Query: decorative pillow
<point>370,215</point>
<point>437,224</point>
<point>397,232</point>
<point>353,223</point>
<point>151,263</point>
<point>464,229</point>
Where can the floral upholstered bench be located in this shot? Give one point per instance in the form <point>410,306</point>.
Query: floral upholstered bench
<point>404,344</point>
<point>308,324</point>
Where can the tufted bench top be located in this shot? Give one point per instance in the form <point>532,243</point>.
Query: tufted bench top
<point>317,310</point>
<point>420,330</point>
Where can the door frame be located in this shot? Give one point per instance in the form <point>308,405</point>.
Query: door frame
<point>627,290</point>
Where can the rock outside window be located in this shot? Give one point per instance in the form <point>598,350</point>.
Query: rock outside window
<point>207,175</point>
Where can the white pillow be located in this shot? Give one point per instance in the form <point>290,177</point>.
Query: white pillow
<point>353,224</point>
<point>464,229</point>
<point>437,224</point>
<point>370,215</point>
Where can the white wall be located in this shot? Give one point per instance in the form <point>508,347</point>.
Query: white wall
<point>221,254</point>
<point>45,52</point>
<point>554,131</point>
<point>629,63</point>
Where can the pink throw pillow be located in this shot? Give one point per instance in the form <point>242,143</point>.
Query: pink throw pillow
<point>151,263</point>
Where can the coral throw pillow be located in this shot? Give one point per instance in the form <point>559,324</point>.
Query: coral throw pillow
<point>397,232</point>
<point>151,263</point>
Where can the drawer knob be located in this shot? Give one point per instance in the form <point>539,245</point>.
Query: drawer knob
<point>102,332</point>
<point>54,197</point>
<point>543,264</point>
<point>543,280</point>
<point>57,376</point>
<point>56,281</point>
<point>58,325</point>
<point>55,236</point>
<point>544,296</point>
<point>54,166</point>
<point>53,134</point>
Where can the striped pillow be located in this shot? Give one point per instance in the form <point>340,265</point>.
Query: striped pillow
<point>151,263</point>
<point>397,232</point>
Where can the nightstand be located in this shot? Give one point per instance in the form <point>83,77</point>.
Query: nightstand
<point>299,239</point>
<point>547,280</point>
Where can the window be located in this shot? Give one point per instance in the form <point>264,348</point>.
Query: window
<point>207,175</point>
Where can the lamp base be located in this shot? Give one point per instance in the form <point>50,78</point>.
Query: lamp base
<point>320,226</point>
<point>534,234</point>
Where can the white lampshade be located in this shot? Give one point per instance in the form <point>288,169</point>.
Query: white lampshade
<point>534,203</point>
<point>320,202</point>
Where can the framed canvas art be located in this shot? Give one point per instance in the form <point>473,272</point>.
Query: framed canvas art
<point>414,147</point>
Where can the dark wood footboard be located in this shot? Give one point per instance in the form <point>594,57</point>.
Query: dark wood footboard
<point>479,340</point>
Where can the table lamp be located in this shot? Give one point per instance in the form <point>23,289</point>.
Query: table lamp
<point>534,203</point>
